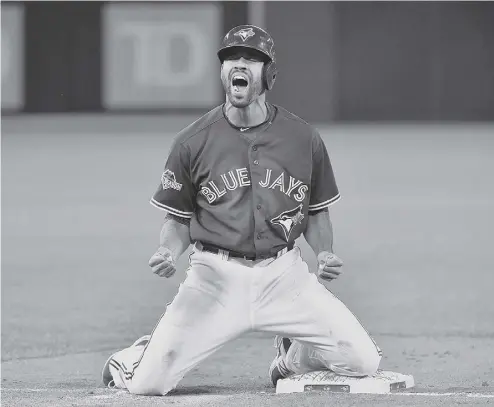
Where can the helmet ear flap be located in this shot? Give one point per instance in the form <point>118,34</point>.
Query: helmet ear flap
<point>269,74</point>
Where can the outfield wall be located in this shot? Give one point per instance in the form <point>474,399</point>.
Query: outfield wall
<point>339,61</point>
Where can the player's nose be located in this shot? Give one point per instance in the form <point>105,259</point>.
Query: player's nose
<point>241,63</point>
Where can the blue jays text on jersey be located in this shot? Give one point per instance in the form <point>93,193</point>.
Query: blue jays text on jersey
<point>247,191</point>
<point>239,177</point>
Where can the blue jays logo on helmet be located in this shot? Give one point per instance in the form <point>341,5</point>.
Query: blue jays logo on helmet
<point>245,33</point>
<point>248,36</point>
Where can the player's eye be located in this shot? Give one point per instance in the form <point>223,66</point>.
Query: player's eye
<point>254,58</point>
<point>249,56</point>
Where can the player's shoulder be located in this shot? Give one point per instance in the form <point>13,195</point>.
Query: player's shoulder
<point>199,125</point>
<point>301,126</point>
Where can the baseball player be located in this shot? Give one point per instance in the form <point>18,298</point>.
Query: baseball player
<point>241,184</point>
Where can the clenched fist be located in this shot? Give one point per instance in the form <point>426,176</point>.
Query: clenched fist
<point>162,263</point>
<point>330,266</point>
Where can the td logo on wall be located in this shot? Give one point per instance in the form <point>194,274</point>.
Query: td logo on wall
<point>161,55</point>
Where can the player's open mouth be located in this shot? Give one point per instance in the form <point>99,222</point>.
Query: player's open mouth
<point>239,82</point>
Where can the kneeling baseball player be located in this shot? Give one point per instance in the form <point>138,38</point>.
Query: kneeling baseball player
<point>241,184</point>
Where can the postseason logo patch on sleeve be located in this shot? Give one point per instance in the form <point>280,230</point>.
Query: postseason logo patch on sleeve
<point>168,181</point>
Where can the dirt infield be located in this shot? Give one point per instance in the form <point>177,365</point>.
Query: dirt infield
<point>237,375</point>
<point>414,228</point>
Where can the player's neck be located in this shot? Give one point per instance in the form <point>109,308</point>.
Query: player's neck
<point>248,116</point>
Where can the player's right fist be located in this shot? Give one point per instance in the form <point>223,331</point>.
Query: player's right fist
<point>162,263</point>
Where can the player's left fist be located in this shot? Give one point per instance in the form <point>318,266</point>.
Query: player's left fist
<point>330,266</point>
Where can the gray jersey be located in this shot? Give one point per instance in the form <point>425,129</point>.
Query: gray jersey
<point>247,190</point>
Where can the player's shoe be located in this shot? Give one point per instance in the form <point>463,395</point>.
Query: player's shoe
<point>110,374</point>
<point>278,369</point>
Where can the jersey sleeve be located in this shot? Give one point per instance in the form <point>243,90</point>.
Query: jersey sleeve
<point>324,191</point>
<point>175,193</point>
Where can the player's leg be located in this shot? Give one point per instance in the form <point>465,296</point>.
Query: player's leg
<point>205,314</point>
<point>325,333</point>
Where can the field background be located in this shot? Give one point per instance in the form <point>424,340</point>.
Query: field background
<point>414,228</point>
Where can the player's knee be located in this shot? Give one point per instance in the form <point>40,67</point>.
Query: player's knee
<point>161,380</point>
<point>146,386</point>
<point>368,363</point>
<point>156,387</point>
<point>145,389</point>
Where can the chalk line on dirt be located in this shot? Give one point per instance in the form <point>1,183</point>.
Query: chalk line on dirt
<point>452,394</point>
<point>210,396</point>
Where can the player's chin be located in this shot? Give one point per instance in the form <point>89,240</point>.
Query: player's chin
<point>240,104</point>
<point>240,101</point>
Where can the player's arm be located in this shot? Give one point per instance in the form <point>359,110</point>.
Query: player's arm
<point>319,236</point>
<point>174,241</point>
<point>324,193</point>
<point>176,196</point>
<point>319,232</point>
<point>175,235</point>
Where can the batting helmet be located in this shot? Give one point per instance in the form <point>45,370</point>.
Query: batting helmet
<point>250,36</point>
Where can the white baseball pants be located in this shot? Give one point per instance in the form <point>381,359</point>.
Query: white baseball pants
<point>222,298</point>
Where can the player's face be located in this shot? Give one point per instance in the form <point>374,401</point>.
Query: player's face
<point>241,75</point>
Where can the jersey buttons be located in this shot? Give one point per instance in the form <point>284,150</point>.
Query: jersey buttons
<point>254,148</point>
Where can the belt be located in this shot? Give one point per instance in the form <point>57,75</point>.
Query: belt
<point>228,253</point>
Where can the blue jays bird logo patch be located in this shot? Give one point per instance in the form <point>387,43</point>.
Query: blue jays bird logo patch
<point>289,219</point>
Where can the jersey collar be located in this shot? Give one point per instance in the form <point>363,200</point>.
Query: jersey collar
<point>269,117</point>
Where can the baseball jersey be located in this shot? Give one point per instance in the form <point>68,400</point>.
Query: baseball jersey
<point>248,190</point>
